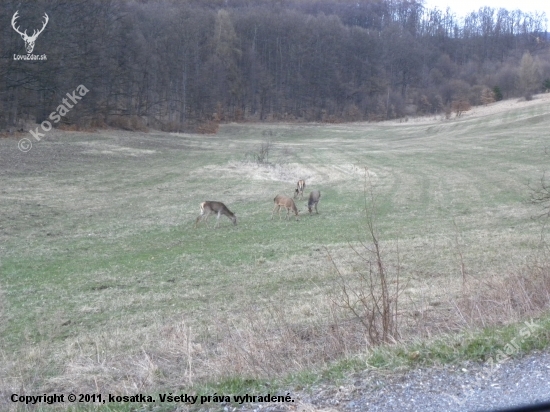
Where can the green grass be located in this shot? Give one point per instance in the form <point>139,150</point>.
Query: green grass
<point>98,250</point>
<point>482,346</point>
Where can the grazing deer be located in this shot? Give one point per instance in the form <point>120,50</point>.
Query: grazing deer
<point>313,200</point>
<point>300,189</point>
<point>209,207</point>
<point>287,203</point>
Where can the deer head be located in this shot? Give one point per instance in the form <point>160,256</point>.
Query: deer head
<point>29,40</point>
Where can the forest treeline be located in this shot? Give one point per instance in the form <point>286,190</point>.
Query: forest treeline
<point>189,64</point>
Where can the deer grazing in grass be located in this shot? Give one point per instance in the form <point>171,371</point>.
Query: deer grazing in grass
<point>314,197</point>
<point>300,189</point>
<point>286,202</point>
<point>209,207</point>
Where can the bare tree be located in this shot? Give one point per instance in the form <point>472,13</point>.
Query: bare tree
<point>182,65</point>
<point>487,96</point>
<point>529,76</point>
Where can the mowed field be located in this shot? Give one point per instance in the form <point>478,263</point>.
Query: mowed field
<point>106,286</point>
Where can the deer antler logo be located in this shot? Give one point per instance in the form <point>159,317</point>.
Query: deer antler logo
<point>29,40</point>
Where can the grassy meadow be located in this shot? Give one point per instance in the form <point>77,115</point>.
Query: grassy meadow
<point>106,286</point>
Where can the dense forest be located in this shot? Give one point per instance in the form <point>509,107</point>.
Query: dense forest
<point>189,64</point>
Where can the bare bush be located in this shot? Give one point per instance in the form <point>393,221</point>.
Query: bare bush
<point>68,127</point>
<point>448,112</point>
<point>98,122</point>
<point>540,195</point>
<point>507,79</point>
<point>366,293</point>
<point>132,123</point>
<point>260,155</point>
<point>487,96</point>
<point>84,124</point>
<point>268,154</point>
<point>529,75</point>
<point>352,113</point>
<point>172,126</point>
<point>208,127</point>
<point>460,106</point>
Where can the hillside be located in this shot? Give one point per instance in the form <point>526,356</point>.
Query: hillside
<point>106,286</point>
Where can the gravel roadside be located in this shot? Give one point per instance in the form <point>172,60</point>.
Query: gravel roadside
<point>467,387</point>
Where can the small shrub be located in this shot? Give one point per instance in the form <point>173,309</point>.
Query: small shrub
<point>132,123</point>
<point>98,122</point>
<point>477,92</point>
<point>448,112</point>
<point>487,96</point>
<point>460,106</point>
<point>68,127</point>
<point>171,127</point>
<point>423,104</point>
<point>261,154</point>
<point>208,127</point>
<point>331,118</point>
<point>498,93</point>
<point>352,113</point>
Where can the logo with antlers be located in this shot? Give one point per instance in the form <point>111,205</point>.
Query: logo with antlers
<point>29,40</point>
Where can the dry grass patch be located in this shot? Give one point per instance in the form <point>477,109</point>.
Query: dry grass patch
<point>497,300</point>
<point>267,340</point>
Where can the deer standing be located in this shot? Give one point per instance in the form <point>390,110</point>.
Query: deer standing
<point>287,203</point>
<point>314,197</point>
<point>29,40</point>
<point>300,189</point>
<point>209,207</point>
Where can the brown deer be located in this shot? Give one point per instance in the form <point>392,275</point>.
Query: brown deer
<point>287,203</point>
<point>209,207</point>
<point>314,197</point>
<point>300,189</point>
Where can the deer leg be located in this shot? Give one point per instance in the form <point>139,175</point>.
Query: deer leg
<point>199,219</point>
<point>204,217</point>
<point>218,219</point>
<point>278,207</point>
<point>272,213</point>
